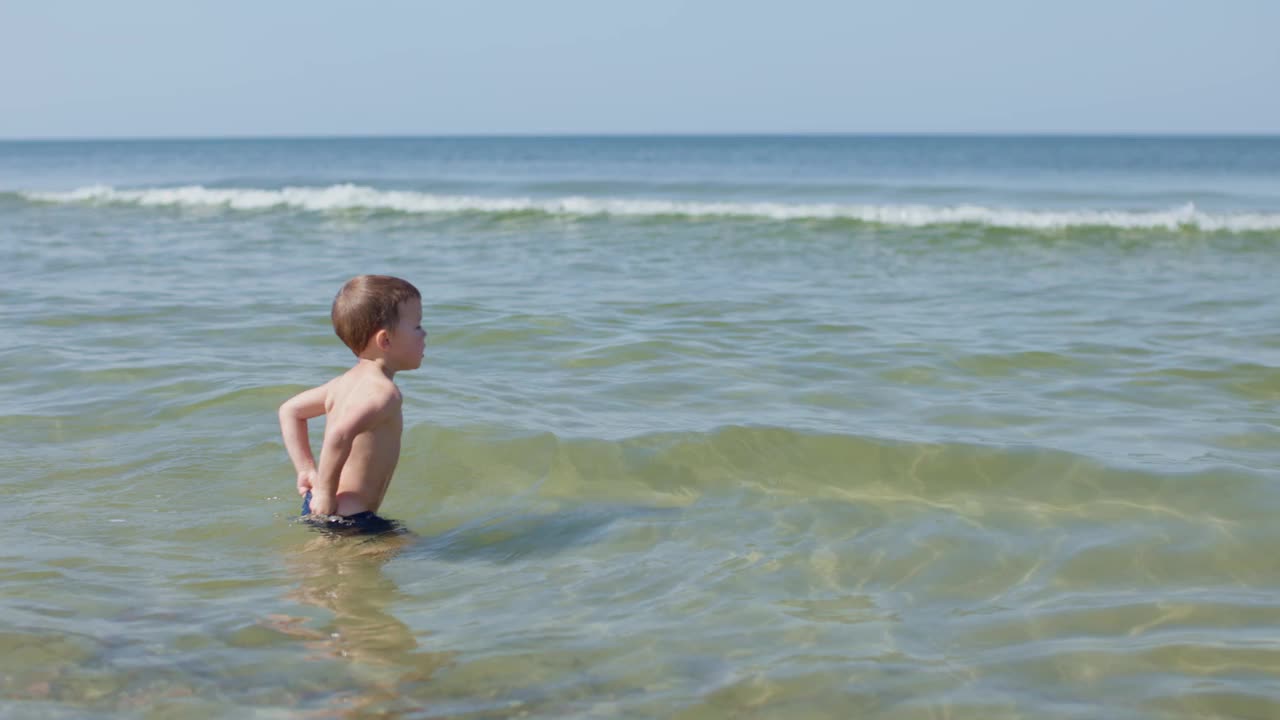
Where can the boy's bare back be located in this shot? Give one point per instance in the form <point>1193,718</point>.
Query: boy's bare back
<point>363,404</point>
<point>380,318</point>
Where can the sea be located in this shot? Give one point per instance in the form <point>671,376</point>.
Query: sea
<point>824,426</point>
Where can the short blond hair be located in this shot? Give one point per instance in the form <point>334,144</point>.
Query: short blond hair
<point>367,304</point>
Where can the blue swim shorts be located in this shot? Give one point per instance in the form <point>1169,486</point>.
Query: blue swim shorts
<point>362,523</point>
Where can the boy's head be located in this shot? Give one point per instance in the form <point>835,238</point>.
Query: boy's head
<point>367,304</point>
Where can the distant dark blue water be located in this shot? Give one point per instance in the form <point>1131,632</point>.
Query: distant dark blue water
<point>1060,173</point>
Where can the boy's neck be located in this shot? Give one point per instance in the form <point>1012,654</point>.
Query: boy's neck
<point>379,362</point>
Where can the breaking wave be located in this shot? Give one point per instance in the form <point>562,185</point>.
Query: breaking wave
<point>355,197</point>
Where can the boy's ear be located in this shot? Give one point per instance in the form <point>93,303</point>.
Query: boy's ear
<point>382,339</point>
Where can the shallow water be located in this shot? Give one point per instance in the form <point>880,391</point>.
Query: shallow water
<point>741,427</point>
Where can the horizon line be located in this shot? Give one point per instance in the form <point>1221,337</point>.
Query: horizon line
<point>646,135</point>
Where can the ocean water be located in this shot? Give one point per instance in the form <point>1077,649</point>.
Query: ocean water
<point>750,427</point>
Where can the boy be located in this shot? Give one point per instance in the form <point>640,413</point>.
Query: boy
<point>380,319</point>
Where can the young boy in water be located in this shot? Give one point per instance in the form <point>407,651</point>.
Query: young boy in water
<point>380,318</point>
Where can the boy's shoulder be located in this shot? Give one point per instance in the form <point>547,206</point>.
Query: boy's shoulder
<point>366,383</point>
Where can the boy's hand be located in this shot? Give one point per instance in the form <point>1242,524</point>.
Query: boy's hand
<point>323,505</point>
<point>306,479</point>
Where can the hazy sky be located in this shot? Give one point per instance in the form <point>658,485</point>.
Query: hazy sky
<point>286,67</point>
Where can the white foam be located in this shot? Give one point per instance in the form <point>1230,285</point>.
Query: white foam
<point>355,197</point>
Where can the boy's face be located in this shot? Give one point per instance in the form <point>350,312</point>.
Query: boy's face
<point>408,339</point>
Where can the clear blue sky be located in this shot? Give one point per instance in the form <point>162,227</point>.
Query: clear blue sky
<point>285,67</point>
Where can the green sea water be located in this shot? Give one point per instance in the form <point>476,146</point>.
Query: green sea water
<point>707,428</point>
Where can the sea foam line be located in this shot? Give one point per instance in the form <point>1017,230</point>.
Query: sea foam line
<point>356,197</point>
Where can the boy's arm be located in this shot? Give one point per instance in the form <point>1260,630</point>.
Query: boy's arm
<point>338,436</point>
<point>294,414</point>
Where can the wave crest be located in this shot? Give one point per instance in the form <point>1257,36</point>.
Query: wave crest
<point>356,197</point>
